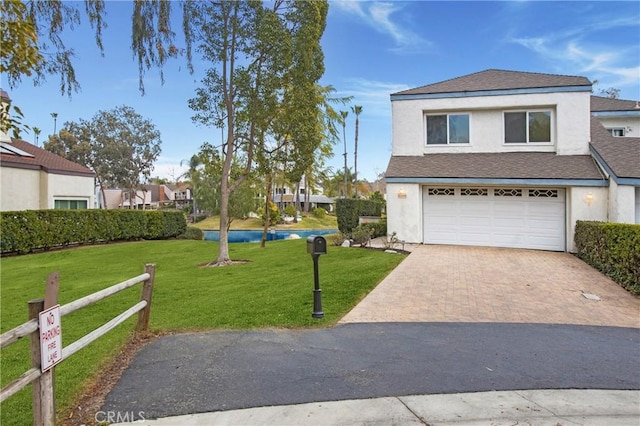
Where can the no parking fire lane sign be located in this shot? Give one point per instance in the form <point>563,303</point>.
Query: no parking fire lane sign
<point>50,338</point>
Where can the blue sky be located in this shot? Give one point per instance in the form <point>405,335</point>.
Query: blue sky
<point>372,49</point>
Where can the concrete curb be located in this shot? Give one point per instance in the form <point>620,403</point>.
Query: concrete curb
<point>527,407</point>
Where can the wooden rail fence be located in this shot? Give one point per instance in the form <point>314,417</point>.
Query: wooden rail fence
<point>43,393</point>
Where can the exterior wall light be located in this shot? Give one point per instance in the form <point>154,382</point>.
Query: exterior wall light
<point>588,198</point>
<point>402,193</point>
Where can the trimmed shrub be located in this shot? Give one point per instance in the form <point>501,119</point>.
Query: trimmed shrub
<point>192,233</point>
<point>318,212</point>
<point>290,210</point>
<point>348,210</point>
<point>26,231</point>
<point>361,235</point>
<point>613,249</point>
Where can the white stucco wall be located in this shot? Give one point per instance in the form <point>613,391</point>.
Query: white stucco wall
<point>622,203</point>
<point>19,189</point>
<point>579,209</point>
<point>404,215</point>
<point>64,187</point>
<point>570,124</point>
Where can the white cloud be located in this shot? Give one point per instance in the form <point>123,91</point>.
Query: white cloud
<point>380,16</point>
<point>168,168</point>
<point>571,53</point>
<point>372,95</point>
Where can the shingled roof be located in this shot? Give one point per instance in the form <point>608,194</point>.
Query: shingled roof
<point>600,104</point>
<point>505,165</point>
<point>494,79</point>
<point>621,155</point>
<point>41,159</point>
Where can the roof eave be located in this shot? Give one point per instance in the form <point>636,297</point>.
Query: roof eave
<point>498,92</point>
<point>560,182</point>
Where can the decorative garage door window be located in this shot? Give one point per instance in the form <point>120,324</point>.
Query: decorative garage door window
<point>478,192</point>
<point>441,191</point>
<point>543,193</point>
<point>496,192</point>
<point>507,192</point>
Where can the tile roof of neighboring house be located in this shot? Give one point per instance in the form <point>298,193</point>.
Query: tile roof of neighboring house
<point>42,160</point>
<point>493,79</point>
<point>621,154</point>
<point>598,103</point>
<point>506,165</point>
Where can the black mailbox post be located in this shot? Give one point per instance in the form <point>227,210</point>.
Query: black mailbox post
<point>316,245</point>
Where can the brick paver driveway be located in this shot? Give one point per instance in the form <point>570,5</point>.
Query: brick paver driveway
<point>438,283</point>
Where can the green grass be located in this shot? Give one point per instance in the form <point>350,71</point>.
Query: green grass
<point>273,290</point>
<point>308,222</point>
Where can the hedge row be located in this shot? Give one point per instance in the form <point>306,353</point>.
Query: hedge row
<point>348,211</point>
<point>613,249</point>
<point>26,231</point>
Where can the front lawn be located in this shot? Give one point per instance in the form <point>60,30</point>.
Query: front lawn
<point>274,289</point>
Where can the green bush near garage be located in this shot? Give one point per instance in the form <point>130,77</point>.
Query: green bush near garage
<point>30,230</point>
<point>349,210</point>
<point>613,249</point>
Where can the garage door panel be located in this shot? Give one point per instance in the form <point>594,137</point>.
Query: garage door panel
<point>498,221</point>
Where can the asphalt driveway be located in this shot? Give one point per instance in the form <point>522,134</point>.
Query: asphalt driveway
<point>439,283</point>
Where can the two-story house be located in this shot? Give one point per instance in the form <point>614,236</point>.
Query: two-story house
<point>505,159</point>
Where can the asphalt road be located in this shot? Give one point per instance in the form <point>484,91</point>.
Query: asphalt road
<point>226,370</point>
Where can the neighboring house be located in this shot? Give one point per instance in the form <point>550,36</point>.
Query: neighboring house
<point>506,159</point>
<point>620,117</point>
<point>285,195</point>
<point>150,196</point>
<point>34,179</point>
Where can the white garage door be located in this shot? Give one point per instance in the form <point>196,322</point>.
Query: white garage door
<point>531,218</point>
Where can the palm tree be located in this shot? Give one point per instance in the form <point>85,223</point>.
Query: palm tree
<point>344,115</point>
<point>357,109</point>
<point>55,120</point>
<point>192,175</point>
<point>36,133</point>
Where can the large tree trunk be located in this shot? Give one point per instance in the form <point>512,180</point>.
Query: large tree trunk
<point>267,212</point>
<point>223,248</point>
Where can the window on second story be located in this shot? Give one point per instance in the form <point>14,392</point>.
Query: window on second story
<point>527,127</point>
<point>447,129</point>
<point>302,191</point>
<point>617,131</point>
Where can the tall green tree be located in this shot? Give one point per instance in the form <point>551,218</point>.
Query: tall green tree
<point>119,145</point>
<point>357,110</point>
<point>267,62</point>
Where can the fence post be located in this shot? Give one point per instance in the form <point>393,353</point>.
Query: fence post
<point>48,378</point>
<point>147,292</point>
<point>35,307</point>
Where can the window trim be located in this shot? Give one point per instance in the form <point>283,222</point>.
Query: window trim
<point>527,112</point>
<point>446,114</point>
<point>612,130</point>
<point>70,200</point>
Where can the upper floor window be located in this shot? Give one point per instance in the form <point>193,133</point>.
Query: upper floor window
<point>447,129</point>
<point>527,127</point>
<point>69,204</point>
<point>617,131</point>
